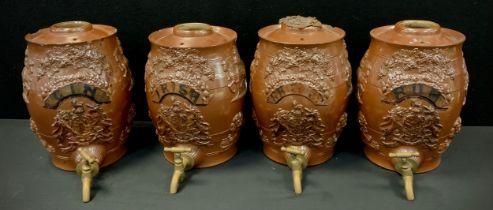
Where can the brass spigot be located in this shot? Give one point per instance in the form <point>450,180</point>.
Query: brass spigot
<point>406,163</point>
<point>183,160</point>
<point>297,160</point>
<point>87,168</point>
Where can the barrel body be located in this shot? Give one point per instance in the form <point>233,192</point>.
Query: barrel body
<point>410,96</point>
<point>79,95</point>
<point>195,96</point>
<point>299,95</point>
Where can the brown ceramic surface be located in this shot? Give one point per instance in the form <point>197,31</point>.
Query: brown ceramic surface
<point>77,87</point>
<point>412,84</point>
<point>300,83</point>
<point>195,84</point>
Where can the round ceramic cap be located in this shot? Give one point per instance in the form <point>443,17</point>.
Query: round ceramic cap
<point>298,30</point>
<point>192,35</point>
<point>70,32</point>
<point>418,33</point>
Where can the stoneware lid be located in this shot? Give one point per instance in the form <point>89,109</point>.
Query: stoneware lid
<point>418,33</point>
<point>192,35</point>
<point>70,32</point>
<point>298,30</point>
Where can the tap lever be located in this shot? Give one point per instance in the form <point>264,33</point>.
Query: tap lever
<point>177,149</point>
<point>403,154</point>
<point>293,150</point>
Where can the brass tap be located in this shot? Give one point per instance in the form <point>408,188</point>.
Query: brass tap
<point>183,160</point>
<point>87,168</point>
<point>406,163</point>
<point>297,160</point>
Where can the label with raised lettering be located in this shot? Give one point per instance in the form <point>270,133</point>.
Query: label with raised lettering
<point>417,90</point>
<point>297,89</point>
<point>180,89</point>
<point>80,89</point>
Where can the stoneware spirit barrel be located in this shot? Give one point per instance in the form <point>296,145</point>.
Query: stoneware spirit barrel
<point>77,87</point>
<point>412,84</point>
<point>300,83</point>
<point>195,84</point>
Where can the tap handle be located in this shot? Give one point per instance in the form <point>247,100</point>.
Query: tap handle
<point>177,149</point>
<point>88,164</point>
<point>293,150</point>
<point>177,153</point>
<point>85,155</point>
<point>403,154</point>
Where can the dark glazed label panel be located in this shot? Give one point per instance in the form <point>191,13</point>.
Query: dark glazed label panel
<point>297,89</point>
<point>183,90</point>
<point>417,90</point>
<point>76,89</point>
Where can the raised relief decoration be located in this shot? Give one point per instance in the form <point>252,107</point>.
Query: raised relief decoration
<point>296,71</point>
<point>417,124</point>
<point>298,126</point>
<point>346,70</point>
<point>466,78</point>
<point>453,131</point>
<point>417,72</point>
<point>123,63</point>
<point>340,125</point>
<point>69,70</point>
<point>364,70</point>
<point>233,132</point>
<point>261,133</point>
<point>254,66</point>
<point>235,74</point>
<point>179,71</point>
<point>34,128</point>
<point>366,132</point>
<point>182,123</point>
<point>128,126</point>
<point>81,125</point>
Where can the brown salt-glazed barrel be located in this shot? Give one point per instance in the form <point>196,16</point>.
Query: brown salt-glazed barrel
<point>77,87</point>
<point>195,85</point>
<point>412,84</point>
<point>300,83</point>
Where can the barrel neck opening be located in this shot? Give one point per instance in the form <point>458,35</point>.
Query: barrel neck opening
<point>418,27</point>
<point>71,27</point>
<point>192,29</point>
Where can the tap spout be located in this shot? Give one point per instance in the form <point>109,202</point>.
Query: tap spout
<point>297,160</point>
<point>405,163</point>
<point>87,168</point>
<point>182,160</point>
